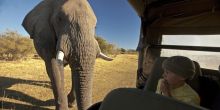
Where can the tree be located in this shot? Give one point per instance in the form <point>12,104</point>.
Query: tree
<point>123,50</point>
<point>103,44</point>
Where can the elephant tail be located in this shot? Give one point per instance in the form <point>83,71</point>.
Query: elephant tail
<point>105,57</point>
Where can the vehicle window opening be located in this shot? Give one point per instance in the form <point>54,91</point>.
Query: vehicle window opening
<point>207,59</point>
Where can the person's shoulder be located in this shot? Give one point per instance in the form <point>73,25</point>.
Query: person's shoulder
<point>190,91</point>
<point>188,94</point>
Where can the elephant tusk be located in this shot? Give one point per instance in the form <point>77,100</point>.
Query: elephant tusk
<point>60,55</point>
<point>103,56</point>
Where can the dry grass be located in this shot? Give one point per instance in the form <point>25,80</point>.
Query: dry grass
<point>25,85</point>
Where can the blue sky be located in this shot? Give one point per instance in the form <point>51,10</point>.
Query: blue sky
<point>117,21</point>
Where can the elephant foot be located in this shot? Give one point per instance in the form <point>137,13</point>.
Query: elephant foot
<point>62,106</point>
<point>71,104</point>
<point>71,101</point>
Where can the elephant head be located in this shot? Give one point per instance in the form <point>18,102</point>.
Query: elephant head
<point>65,29</point>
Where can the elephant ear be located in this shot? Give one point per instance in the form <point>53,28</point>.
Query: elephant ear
<point>91,14</point>
<point>36,22</point>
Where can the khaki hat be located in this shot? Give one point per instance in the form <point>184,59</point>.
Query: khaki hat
<point>180,65</point>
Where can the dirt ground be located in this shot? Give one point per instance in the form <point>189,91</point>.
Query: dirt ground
<point>24,85</point>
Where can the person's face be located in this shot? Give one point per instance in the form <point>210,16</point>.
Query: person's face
<point>172,78</point>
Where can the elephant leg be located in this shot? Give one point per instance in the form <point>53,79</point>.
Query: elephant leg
<point>83,89</point>
<point>56,76</point>
<point>51,77</point>
<point>71,96</point>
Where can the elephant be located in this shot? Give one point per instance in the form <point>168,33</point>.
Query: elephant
<point>63,33</point>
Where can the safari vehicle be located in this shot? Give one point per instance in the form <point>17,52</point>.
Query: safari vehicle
<point>170,17</point>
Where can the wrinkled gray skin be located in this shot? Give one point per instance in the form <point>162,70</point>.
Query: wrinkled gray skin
<point>67,26</point>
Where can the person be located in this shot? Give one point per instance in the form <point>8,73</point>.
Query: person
<point>176,70</point>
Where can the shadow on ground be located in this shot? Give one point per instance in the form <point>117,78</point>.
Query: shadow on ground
<point>34,104</point>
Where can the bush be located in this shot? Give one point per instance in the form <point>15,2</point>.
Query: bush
<point>15,46</point>
<point>123,51</point>
<point>106,47</point>
<point>131,51</point>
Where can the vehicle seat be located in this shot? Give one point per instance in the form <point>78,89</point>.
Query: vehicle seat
<point>157,71</point>
<point>210,89</point>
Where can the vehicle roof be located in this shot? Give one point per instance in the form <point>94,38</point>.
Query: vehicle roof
<point>200,17</point>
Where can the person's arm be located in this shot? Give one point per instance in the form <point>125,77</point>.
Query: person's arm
<point>158,91</point>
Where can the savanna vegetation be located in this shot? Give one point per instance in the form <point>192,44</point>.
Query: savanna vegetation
<point>15,46</point>
<point>24,84</point>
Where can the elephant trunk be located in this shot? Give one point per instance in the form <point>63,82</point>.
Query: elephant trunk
<point>83,88</point>
<point>81,56</point>
<point>82,63</point>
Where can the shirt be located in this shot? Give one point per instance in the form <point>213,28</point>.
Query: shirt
<point>184,93</point>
